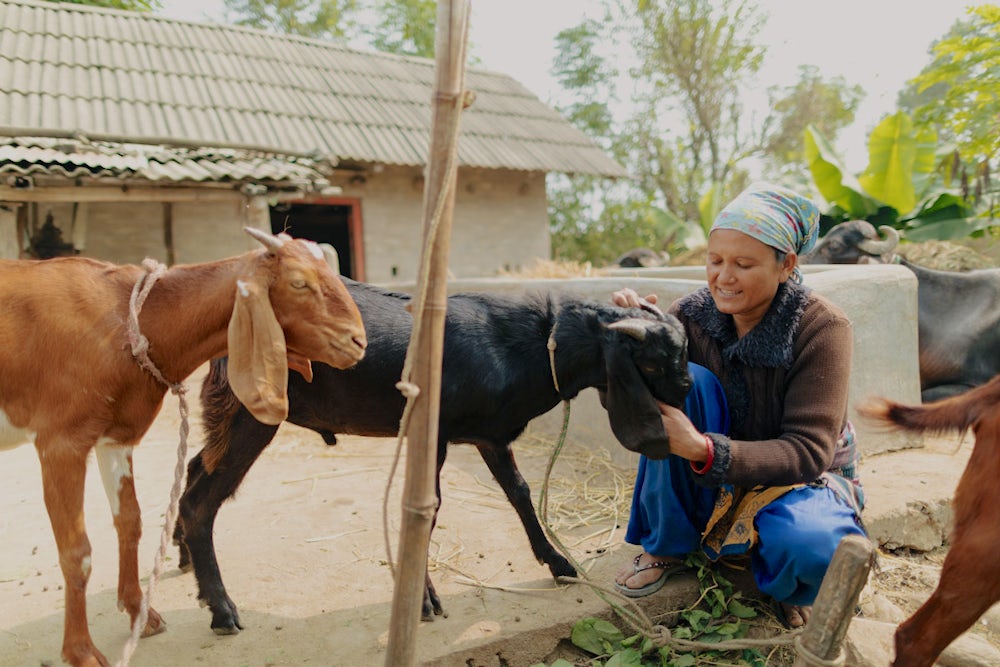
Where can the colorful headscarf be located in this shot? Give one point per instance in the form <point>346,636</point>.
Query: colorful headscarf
<point>775,215</point>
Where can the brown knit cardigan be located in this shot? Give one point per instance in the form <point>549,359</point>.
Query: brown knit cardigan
<point>786,382</point>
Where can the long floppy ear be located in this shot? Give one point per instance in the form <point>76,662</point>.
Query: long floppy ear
<point>258,365</point>
<point>635,420</point>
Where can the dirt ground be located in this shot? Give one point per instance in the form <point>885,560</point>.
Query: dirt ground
<point>302,550</point>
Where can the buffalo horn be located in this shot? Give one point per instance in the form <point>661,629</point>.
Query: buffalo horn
<point>873,247</point>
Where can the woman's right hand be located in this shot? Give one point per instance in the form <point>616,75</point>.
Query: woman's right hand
<point>685,440</point>
<point>629,298</point>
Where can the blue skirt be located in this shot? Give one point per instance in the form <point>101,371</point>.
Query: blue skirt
<point>797,533</point>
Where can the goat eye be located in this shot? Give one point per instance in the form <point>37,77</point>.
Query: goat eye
<point>298,283</point>
<point>650,370</point>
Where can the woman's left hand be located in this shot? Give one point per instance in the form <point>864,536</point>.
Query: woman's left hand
<point>685,440</point>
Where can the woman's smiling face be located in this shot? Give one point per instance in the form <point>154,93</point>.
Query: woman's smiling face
<point>743,276</point>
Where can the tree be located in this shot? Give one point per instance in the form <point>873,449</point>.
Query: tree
<point>958,94</point>
<point>328,19</point>
<point>828,106</point>
<point>687,133</point>
<point>962,84</point>
<point>129,5</point>
<point>406,27</point>
<point>403,27</point>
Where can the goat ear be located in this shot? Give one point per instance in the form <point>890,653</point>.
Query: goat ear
<point>258,364</point>
<point>634,417</point>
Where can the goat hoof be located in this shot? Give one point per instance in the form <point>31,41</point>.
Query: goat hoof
<point>154,624</point>
<point>226,621</point>
<point>560,567</point>
<point>86,656</point>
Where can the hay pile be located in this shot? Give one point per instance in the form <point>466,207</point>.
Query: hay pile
<point>553,268</point>
<point>945,256</point>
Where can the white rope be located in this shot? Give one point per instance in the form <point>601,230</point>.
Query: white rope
<point>140,350</point>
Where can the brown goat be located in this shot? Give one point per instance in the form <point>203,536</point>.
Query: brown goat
<point>69,382</point>
<point>970,575</point>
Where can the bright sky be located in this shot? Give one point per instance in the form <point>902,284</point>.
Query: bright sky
<point>877,44</point>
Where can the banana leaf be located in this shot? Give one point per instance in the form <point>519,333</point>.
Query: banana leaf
<point>901,160</point>
<point>832,179</point>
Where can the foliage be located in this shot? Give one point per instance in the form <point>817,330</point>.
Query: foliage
<point>403,27</point>
<point>129,5</point>
<point>406,28</point>
<point>904,184</point>
<point>307,18</point>
<point>959,91</point>
<point>720,614</point>
<point>686,135</point>
<point>828,106</point>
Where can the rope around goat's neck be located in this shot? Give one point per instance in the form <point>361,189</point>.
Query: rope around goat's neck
<point>140,350</point>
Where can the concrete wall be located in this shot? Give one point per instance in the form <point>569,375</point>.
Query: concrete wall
<point>500,221</point>
<point>880,300</point>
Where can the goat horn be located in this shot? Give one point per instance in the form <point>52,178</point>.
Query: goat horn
<point>633,326</point>
<point>267,240</point>
<point>881,247</point>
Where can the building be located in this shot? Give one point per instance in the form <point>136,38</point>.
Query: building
<point>126,135</point>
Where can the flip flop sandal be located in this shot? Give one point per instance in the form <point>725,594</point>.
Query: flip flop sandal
<point>669,569</point>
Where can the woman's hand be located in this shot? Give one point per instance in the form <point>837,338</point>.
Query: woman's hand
<point>685,440</point>
<point>629,298</point>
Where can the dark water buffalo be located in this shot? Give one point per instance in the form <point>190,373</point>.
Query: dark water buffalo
<point>642,257</point>
<point>959,329</point>
<point>854,242</point>
<point>958,311</point>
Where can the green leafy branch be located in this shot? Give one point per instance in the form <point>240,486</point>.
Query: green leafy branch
<point>720,614</point>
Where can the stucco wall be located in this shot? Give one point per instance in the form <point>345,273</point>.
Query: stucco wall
<point>500,221</point>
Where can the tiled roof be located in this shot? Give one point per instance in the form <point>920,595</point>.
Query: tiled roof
<point>140,78</point>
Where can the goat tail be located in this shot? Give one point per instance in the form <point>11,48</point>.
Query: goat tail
<point>219,407</point>
<point>954,413</point>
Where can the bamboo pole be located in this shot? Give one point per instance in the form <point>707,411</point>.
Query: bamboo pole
<point>835,603</point>
<point>419,492</point>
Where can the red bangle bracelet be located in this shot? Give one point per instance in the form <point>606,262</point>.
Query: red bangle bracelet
<point>709,458</point>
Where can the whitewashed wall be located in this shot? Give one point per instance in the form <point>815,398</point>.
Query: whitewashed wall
<point>500,221</point>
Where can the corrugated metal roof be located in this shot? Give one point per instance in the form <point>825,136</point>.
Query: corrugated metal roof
<point>27,156</point>
<point>109,73</point>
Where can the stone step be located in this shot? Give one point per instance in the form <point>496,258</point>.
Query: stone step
<point>908,493</point>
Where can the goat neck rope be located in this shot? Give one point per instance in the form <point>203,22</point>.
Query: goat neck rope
<point>140,350</point>
<point>551,345</point>
<point>138,342</point>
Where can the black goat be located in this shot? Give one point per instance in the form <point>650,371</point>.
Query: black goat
<point>496,377</point>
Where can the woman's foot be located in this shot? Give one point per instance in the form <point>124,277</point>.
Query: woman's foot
<point>796,616</point>
<point>645,571</point>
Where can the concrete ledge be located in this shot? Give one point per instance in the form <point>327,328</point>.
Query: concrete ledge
<point>880,300</point>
